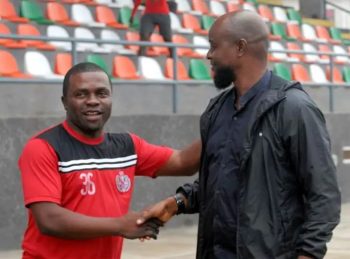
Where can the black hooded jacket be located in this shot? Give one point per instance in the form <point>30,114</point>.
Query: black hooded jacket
<point>289,200</point>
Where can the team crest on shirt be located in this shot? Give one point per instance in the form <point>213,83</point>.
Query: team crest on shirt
<point>123,182</point>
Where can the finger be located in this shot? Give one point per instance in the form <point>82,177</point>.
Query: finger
<point>152,224</point>
<point>157,221</point>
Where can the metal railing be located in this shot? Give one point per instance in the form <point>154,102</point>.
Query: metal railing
<point>173,82</point>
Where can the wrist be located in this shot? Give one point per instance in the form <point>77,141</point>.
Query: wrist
<point>180,202</point>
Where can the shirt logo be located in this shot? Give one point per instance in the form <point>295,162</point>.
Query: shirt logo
<point>123,182</point>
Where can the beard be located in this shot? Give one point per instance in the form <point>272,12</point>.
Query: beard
<point>224,77</point>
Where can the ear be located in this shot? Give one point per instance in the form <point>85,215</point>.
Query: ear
<point>63,100</point>
<point>241,47</point>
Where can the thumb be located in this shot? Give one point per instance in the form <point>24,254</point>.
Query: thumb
<point>144,217</point>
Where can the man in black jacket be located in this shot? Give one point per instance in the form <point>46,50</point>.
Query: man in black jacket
<point>267,186</point>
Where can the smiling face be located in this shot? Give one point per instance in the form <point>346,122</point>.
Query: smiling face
<point>88,102</point>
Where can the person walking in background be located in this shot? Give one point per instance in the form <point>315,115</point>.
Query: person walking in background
<point>156,13</point>
<point>78,180</point>
<point>267,186</point>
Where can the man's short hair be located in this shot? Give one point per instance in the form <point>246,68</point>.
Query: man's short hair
<point>81,68</point>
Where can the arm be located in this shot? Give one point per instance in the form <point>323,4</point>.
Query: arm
<point>182,162</point>
<point>57,221</point>
<point>136,5</point>
<point>308,143</point>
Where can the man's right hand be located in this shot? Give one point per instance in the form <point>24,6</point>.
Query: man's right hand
<point>129,229</point>
<point>163,211</point>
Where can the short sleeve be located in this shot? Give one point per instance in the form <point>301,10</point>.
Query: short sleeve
<point>40,178</point>
<point>150,158</point>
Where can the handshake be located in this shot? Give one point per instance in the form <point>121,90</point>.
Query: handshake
<point>146,223</point>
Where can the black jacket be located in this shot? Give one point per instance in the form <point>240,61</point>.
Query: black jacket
<point>289,200</point>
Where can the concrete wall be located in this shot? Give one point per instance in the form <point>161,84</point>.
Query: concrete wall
<point>175,131</point>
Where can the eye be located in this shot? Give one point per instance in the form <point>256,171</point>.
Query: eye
<point>103,93</point>
<point>80,94</point>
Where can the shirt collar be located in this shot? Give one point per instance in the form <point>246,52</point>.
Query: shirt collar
<point>80,137</point>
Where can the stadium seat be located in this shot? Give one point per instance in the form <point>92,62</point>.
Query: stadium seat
<point>280,14</point>
<point>38,65</point>
<point>124,18</point>
<point>198,70</point>
<point>323,34</point>
<point>9,67</point>
<point>346,74</point>
<point>265,12</point>
<point>126,3</point>
<point>340,50</point>
<point>8,12</point>
<point>324,48</point>
<point>132,36</point>
<point>217,8</point>
<point>295,46</point>
<point>207,22</point>
<point>183,6</point>
<point>98,60</point>
<point>282,70</point>
<point>176,24</point>
<point>9,43</point>
<point>82,15</point>
<point>181,69</point>
<point>59,32</point>
<point>294,31</point>
<point>233,7</point>
<point>277,56</point>
<point>249,7</point>
<point>312,57</point>
<point>57,13</point>
<point>124,68</point>
<point>157,50</point>
<point>317,74</point>
<point>187,52</point>
<point>278,29</point>
<point>84,2</point>
<point>300,73</point>
<point>309,32</point>
<point>336,35</point>
<point>32,11</point>
<point>63,62</point>
<point>113,36</point>
<point>84,33</point>
<point>253,2</point>
<point>337,75</point>
<point>109,3</point>
<point>201,41</point>
<point>191,22</point>
<point>26,29</point>
<point>200,6</point>
<point>150,69</point>
<point>294,15</point>
<point>106,15</point>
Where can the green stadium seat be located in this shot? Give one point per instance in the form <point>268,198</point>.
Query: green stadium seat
<point>207,22</point>
<point>252,1</point>
<point>124,18</point>
<point>279,30</point>
<point>282,71</point>
<point>198,70</point>
<point>294,15</point>
<point>98,60</point>
<point>33,12</point>
<point>346,74</point>
<point>336,35</point>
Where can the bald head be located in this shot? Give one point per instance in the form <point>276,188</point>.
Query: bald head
<point>247,26</point>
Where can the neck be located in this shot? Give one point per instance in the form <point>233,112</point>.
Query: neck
<point>89,134</point>
<point>247,80</point>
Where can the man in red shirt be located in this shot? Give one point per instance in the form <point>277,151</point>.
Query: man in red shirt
<point>156,13</point>
<point>78,180</point>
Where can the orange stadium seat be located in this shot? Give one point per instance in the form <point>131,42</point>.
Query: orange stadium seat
<point>233,7</point>
<point>157,50</point>
<point>191,22</point>
<point>85,2</point>
<point>187,52</point>
<point>8,12</point>
<point>295,46</point>
<point>323,33</point>
<point>9,67</point>
<point>9,43</point>
<point>324,48</point>
<point>265,12</point>
<point>294,31</point>
<point>337,75</point>
<point>132,36</point>
<point>124,67</point>
<point>200,6</point>
<point>30,30</point>
<point>63,62</point>
<point>300,73</point>
<point>57,13</point>
<point>181,69</point>
<point>106,15</point>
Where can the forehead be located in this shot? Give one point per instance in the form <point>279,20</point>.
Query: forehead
<point>88,80</point>
<point>217,32</point>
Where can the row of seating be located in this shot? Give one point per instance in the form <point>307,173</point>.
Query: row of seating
<point>308,47</point>
<point>313,73</point>
<point>37,65</point>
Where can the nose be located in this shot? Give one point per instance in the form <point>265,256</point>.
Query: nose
<point>209,55</point>
<point>92,100</point>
